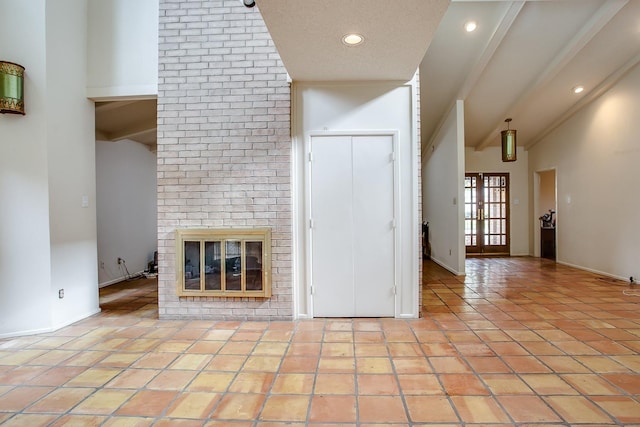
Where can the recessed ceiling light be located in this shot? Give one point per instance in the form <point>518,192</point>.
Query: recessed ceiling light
<point>352,39</point>
<point>578,89</point>
<point>470,26</point>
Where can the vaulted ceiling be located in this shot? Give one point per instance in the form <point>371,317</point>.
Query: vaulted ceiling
<point>522,61</point>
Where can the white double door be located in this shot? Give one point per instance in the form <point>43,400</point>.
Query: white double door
<point>352,231</point>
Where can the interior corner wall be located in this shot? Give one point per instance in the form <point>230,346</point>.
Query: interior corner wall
<point>46,167</point>
<point>596,156</point>
<point>443,192</point>
<point>122,48</point>
<point>224,146</point>
<point>25,265</point>
<point>354,107</point>
<point>490,160</point>
<point>126,208</point>
<point>71,165</point>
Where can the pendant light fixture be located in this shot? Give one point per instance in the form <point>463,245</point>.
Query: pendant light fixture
<point>508,143</point>
<point>11,88</point>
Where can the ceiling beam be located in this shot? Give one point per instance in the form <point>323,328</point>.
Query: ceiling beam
<point>599,19</point>
<point>135,130</point>
<point>500,32</point>
<point>112,105</point>
<point>594,94</point>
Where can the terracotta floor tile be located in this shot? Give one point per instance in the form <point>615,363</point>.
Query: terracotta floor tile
<point>338,336</point>
<point>79,420</point>
<point>270,349</point>
<point>368,336</point>
<point>30,420</point>
<point>133,378</point>
<point>337,364</point>
<point>332,409</point>
<point>371,350</point>
<point>601,364</point>
<point>631,362</point>
<point>262,364</point>
<point>548,384</point>
<point>624,409</point>
<point>94,377</point>
<point>590,384</point>
<point>219,424</point>
<point>374,365</point>
<point>577,409</point>
<point>463,384</point>
<point>508,349</point>
<point>193,405</point>
<point>335,384</point>
<point>627,382</point>
<point>420,384</point>
<point>171,380</point>
<point>381,409</point>
<point>430,409</point>
<point>563,364</point>
<point>147,403</point>
<point>227,362</point>
<point>293,384</point>
<point>239,406</point>
<point>211,381</point>
<point>252,382</point>
<point>337,350</point>
<point>103,402</point>
<point>128,422</point>
<point>193,362</point>
<point>239,347</point>
<point>299,364</point>
<point>277,336</point>
<point>413,365</point>
<point>488,365</point>
<point>449,365</point>
<point>439,349</point>
<point>155,360</point>
<point>479,409</point>
<point>525,364</point>
<point>60,400</point>
<point>528,409</point>
<point>304,349</point>
<point>505,384</point>
<point>85,358</point>
<point>205,347</point>
<point>377,384</point>
<point>285,408</point>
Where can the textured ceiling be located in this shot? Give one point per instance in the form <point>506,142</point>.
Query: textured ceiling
<point>521,62</point>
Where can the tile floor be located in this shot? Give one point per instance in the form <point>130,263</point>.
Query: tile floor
<point>519,341</point>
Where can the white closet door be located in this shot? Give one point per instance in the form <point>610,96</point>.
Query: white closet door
<point>352,234</point>
<point>373,228</point>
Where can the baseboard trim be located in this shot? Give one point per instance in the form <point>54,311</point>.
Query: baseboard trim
<point>591,270</point>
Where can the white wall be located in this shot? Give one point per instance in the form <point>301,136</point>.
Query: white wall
<point>597,156</point>
<point>490,160</point>
<point>24,206</point>
<point>71,150</point>
<point>126,208</point>
<point>443,192</point>
<point>47,240</point>
<point>122,48</point>
<point>361,107</point>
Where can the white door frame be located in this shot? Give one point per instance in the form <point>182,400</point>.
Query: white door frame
<point>307,288</point>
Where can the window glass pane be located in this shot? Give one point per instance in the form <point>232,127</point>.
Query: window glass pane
<point>192,265</point>
<point>212,266</point>
<point>233,265</point>
<point>253,266</point>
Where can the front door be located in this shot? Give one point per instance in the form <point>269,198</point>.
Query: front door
<point>351,225</point>
<point>486,213</point>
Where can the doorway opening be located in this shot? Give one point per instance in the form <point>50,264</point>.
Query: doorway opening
<point>486,214</point>
<point>545,207</point>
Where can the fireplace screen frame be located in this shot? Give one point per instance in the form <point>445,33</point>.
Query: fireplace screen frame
<point>245,271</point>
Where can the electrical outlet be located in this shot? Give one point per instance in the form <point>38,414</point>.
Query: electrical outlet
<point>102,265</point>
<point>61,293</point>
<point>120,260</point>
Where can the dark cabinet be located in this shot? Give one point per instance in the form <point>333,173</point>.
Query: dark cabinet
<point>548,243</point>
